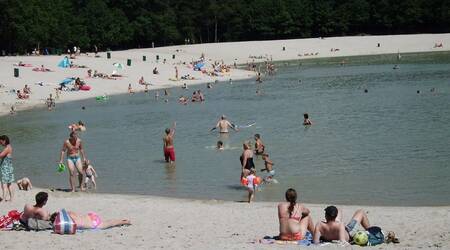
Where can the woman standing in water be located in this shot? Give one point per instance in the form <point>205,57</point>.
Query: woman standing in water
<point>6,167</point>
<point>246,160</point>
<point>74,147</point>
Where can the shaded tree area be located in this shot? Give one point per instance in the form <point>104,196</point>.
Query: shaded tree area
<point>119,24</point>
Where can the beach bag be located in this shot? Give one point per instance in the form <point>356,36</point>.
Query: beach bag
<point>38,225</point>
<point>376,237</point>
<point>8,219</point>
<point>64,224</point>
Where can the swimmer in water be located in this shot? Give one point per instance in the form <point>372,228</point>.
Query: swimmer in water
<point>220,145</point>
<point>78,127</point>
<point>306,120</point>
<point>223,124</point>
<point>268,167</point>
<point>259,145</point>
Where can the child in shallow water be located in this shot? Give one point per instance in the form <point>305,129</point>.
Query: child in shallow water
<point>90,174</point>
<point>306,120</point>
<point>268,167</point>
<point>251,185</point>
<point>220,145</point>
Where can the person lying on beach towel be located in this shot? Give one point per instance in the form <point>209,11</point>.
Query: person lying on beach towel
<point>105,76</point>
<point>42,69</point>
<point>21,64</point>
<point>76,66</point>
<point>92,221</point>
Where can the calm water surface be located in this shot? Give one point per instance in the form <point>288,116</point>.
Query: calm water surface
<point>389,146</point>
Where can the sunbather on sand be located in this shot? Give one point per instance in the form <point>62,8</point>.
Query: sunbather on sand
<point>37,211</point>
<point>334,229</point>
<point>92,221</point>
<point>295,219</point>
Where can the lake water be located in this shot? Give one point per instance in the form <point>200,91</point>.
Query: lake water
<point>389,146</point>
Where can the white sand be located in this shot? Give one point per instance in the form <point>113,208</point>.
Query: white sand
<point>239,52</point>
<point>176,223</point>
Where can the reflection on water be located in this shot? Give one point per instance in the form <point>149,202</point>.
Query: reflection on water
<point>387,146</point>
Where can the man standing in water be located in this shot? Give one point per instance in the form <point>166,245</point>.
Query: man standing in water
<point>224,124</point>
<point>74,147</point>
<point>169,151</point>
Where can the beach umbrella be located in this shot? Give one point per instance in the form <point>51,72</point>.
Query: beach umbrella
<point>118,65</point>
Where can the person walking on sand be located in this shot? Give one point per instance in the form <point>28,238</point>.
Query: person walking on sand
<point>74,147</point>
<point>169,150</point>
<point>223,124</point>
<point>6,168</point>
<point>176,73</point>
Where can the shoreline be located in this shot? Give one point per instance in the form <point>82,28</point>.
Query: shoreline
<point>152,196</point>
<point>163,222</point>
<point>301,50</point>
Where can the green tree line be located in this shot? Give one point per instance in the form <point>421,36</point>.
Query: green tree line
<point>119,24</point>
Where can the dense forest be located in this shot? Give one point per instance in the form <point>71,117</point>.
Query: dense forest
<point>27,24</point>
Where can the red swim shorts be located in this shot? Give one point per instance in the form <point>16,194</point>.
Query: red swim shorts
<point>169,154</point>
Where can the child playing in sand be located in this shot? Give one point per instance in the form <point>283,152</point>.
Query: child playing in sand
<point>268,167</point>
<point>24,184</point>
<point>90,174</point>
<point>251,186</point>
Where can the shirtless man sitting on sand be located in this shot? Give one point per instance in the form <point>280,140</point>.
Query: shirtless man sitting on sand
<point>224,124</point>
<point>37,211</point>
<point>334,229</point>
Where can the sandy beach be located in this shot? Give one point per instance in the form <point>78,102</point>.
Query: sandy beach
<point>44,83</point>
<point>178,223</point>
<point>159,222</point>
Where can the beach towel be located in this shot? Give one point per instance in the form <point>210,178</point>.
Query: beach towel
<point>85,87</point>
<point>7,220</point>
<point>64,224</point>
<point>308,240</point>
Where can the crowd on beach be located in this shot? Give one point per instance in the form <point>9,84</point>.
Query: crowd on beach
<point>295,221</point>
